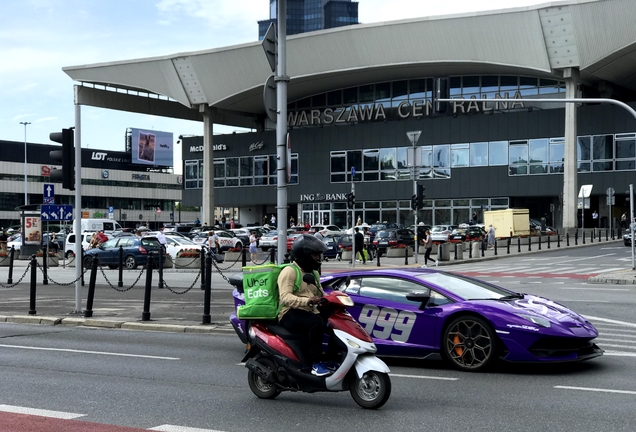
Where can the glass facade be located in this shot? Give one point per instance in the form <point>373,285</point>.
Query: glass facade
<point>311,15</point>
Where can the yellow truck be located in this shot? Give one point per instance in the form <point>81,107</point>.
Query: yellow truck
<point>508,222</point>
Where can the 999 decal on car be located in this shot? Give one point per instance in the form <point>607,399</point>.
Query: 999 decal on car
<point>383,323</point>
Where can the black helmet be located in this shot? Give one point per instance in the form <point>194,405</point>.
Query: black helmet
<point>302,249</point>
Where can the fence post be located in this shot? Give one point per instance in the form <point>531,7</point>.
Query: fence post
<point>45,258</point>
<point>120,282</point>
<point>161,255</point>
<point>207,318</point>
<point>91,288</point>
<point>244,256</point>
<point>483,248</point>
<point>406,255</point>
<point>548,242</point>
<point>455,251</point>
<point>10,278</point>
<point>529,243</point>
<point>539,242</point>
<point>583,236</point>
<point>470,250</point>
<point>202,269</point>
<point>145,315</point>
<point>377,256</point>
<point>576,238</point>
<point>508,246</point>
<point>34,276</point>
<point>272,255</point>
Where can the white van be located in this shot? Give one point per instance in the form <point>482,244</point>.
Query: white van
<point>69,244</point>
<point>106,225</point>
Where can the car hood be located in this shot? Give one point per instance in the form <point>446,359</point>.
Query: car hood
<point>557,314</point>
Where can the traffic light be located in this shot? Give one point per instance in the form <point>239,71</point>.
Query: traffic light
<point>64,157</point>
<point>351,200</point>
<point>420,196</point>
<point>414,203</point>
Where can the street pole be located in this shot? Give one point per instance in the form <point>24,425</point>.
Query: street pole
<point>414,137</point>
<point>26,190</point>
<point>631,221</point>
<point>353,222</point>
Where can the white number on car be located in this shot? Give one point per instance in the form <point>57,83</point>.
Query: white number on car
<point>382,323</point>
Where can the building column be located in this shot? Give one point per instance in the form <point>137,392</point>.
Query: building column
<point>207,203</point>
<point>570,172</point>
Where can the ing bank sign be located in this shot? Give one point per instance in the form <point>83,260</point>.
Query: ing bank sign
<point>316,197</point>
<point>406,109</point>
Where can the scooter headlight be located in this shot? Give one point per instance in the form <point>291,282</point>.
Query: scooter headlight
<point>352,343</point>
<point>345,300</point>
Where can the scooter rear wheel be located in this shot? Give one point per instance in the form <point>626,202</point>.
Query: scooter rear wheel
<point>372,390</point>
<point>259,385</point>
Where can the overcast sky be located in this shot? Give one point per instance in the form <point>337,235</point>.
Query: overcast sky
<point>39,37</point>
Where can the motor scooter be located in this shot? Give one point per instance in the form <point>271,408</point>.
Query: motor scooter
<point>278,360</point>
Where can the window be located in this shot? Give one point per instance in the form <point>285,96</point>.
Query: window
<point>479,154</point>
<point>518,157</point>
<point>625,151</point>
<point>261,170</point>
<point>603,153</point>
<point>371,164</point>
<point>498,153</point>
<point>231,171</point>
<point>388,163</point>
<point>557,152</point>
<point>583,154</point>
<point>460,155</point>
<point>390,289</point>
<point>191,174</point>
<point>338,166</point>
<point>538,156</point>
<point>246,172</point>
<point>441,161</point>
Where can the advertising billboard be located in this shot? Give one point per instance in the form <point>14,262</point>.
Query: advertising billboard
<point>152,148</point>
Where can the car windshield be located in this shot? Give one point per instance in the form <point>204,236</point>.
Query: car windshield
<point>467,289</point>
<point>149,242</point>
<point>438,228</point>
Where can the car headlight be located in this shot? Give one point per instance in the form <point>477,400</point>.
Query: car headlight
<point>540,321</point>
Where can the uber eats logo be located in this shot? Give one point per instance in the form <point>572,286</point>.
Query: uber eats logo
<point>256,288</point>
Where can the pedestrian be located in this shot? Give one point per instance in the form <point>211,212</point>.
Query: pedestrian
<point>367,242</point>
<point>232,224</point>
<point>358,241</point>
<point>94,241</point>
<point>253,248</point>
<point>624,220</point>
<point>272,221</point>
<point>474,220</point>
<point>359,221</point>
<point>54,245</point>
<point>223,223</point>
<point>213,242</point>
<point>491,237</point>
<point>595,219</point>
<point>197,222</point>
<point>292,221</point>
<point>161,238</point>
<point>428,246</point>
<point>319,235</point>
<point>101,237</point>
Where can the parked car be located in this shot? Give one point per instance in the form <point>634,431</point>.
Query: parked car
<point>535,225</point>
<point>269,240</point>
<point>174,244</point>
<point>16,243</point>
<point>467,234</point>
<point>59,239</point>
<point>290,240</point>
<point>227,240</point>
<point>243,234</point>
<point>69,244</point>
<point>136,252</point>
<point>440,233</point>
<point>389,237</point>
<point>327,230</point>
<point>470,323</point>
<point>627,239</point>
<point>332,245</point>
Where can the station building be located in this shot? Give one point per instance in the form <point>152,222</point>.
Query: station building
<point>357,93</point>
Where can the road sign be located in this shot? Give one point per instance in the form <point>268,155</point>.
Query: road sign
<point>610,191</point>
<point>353,171</point>
<point>414,136</point>
<point>585,191</point>
<point>610,200</point>
<point>52,212</point>
<point>158,211</point>
<point>111,209</point>
<point>49,193</point>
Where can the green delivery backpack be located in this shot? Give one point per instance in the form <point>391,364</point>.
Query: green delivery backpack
<point>260,290</point>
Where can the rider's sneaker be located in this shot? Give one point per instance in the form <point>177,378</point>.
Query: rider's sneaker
<point>320,369</point>
<point>332,365</point>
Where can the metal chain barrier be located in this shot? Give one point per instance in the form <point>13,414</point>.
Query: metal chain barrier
<point>101,269</point>
<point>226,268</point>
<point>165,284</point>
<point>48,276</point>
<point>20,280</point>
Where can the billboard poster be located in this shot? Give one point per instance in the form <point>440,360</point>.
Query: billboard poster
<point>153,148</point>
<point>32,230</point>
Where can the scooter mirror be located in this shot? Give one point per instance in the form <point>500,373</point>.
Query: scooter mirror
<point>309,279</point>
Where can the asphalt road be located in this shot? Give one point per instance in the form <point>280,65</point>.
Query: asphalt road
<point>170,382</point>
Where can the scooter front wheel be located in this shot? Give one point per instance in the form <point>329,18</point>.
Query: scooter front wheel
<point>372,390</point>
<point>259,385</point>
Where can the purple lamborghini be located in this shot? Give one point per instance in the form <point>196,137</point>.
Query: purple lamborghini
<point>417,313</point>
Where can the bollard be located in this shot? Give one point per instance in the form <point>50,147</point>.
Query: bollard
<point>120,282</point>
<point>34,275</point>
<point>592,236</point>
<point>548,242</point>
<point>576,238</point>
<point>161,256</point>
<point>145,315</point>
<point>377,256</point>
<point>202,255</point>
<point>45,275</point>
<point>539,243</point>
<point>529,243</point>
<point>10,278</point>
<point>567,239</point>
<point>406,255</point>
<point>508,246</point>
<point>612,233</point>
<point>455,252</point>
<point>495,247</point>
<point>558,240</point>
<point>244,256</point>
<point>519,244</point>
<point>91,288</point>
<point>470,250</point>
<point>207,318</point>
<point>607,235</point>
<point>483,248</point>
<point>583,236</point>
<point>81,263</point>
<point>272,255</point>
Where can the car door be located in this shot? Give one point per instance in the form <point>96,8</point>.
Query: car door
<point>109,252</point>
<point>397,325</point>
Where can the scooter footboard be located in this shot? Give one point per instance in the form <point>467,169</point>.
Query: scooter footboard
<point>366,363</point>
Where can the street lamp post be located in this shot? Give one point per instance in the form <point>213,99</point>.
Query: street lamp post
<point>26,201</point>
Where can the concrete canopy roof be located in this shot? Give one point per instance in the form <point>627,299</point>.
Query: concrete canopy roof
<point>596,36</point>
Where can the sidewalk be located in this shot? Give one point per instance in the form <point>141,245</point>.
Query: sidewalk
<point>179,307</point>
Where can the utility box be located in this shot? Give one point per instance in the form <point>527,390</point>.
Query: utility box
<point>508,222</point>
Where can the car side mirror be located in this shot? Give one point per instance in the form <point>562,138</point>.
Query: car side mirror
<point>421,297</point>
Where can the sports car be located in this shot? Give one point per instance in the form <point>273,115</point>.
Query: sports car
<point>421,313</point>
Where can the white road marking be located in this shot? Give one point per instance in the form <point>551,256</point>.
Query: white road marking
<point>424,377</point>
<point>624,339</point>
<point>596,390</point>
<point>40,412</point>
<point>611,321</point>
<point>89,352</point>
<point>623,346</point>
<point>173,428</point>
<point>587,258</point>
<point>619,354</point>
